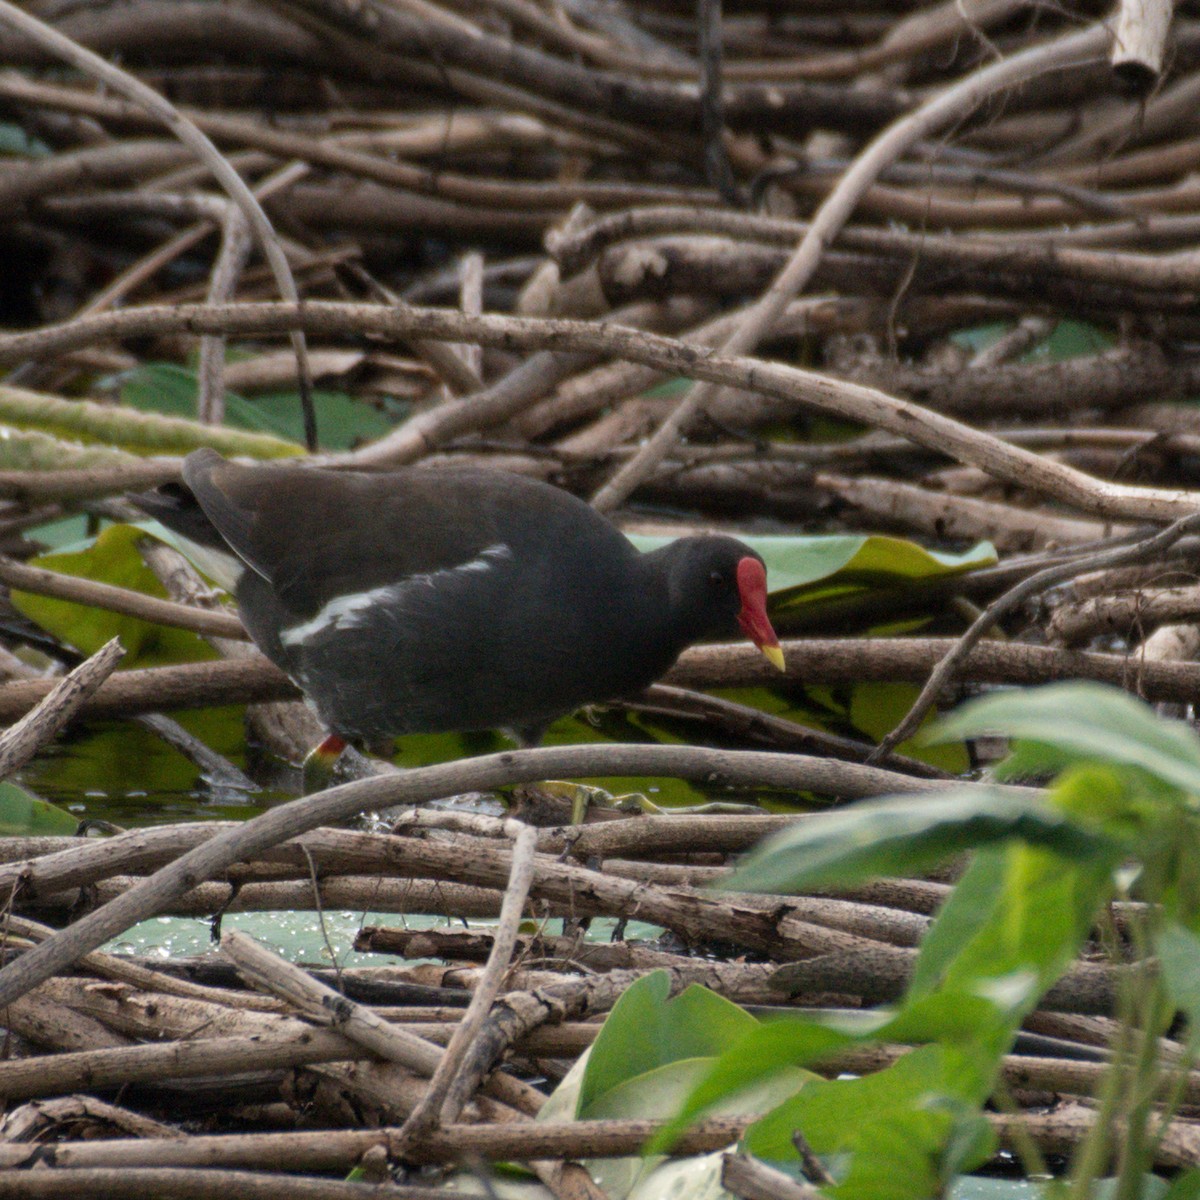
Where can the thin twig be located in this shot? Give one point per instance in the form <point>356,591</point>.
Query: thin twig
<point>950,105</point>
<point>1118,556</point>
<point>853,402</point>
<point>187,132</point>
<point>108,596</point>
<point>445,1097</point>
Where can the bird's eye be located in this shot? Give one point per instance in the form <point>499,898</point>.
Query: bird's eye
<point>716,579</point>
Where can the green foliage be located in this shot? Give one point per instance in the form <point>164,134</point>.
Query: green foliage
<point>1068,339</point>
<point>1070,723</point>
<point>111,558</point>
<point>24,815</point>
<point>907,834</point>
<point>1043,870</point>
<point>650,1054</point>
<point>647,1030</point>
<point>900,1132</point>
<point>172,390</point>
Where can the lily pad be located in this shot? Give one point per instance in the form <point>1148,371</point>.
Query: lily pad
<point>342,421</point>
<point>111,558</point>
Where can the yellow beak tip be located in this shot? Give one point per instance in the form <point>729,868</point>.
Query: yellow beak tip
<point>774,655</point>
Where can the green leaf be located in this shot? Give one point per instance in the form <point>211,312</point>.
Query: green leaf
<point>877,708</point>
<point>588,726</point>
<point>1012,925</point>
<point>24,815</point>
<point>124,773</point>
<point>1178,951</point>
<point>903,835</point>
<point>978,1026</point>
<point>646,1030</point>
<point>172,390</point>
<point>663,1089</point>
<point>759,1053</point>
<point>61,533</point>
<point>1068,339</point>
<point>967,910</point>
<point>112,558</point>
<point>343,422</point>
<point>1073,722</point>
<point>895,1127</point>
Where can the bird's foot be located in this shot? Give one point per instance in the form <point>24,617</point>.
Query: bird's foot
<point>317,770</point>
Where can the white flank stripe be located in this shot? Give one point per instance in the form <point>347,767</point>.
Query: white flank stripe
<point>349,611</point>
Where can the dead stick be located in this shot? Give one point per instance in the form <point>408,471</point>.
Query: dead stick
<point>451,1086</point>
<point>118,599</point>
<point>952,104</point>
<point>812,660</point>
<point>715,767</point>
<point>1117,556</point>
<point>21,742</point>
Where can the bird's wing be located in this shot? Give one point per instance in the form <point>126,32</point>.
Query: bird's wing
<point>317,535</point>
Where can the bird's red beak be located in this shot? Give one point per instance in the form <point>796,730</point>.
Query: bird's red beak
<point>752,588</point>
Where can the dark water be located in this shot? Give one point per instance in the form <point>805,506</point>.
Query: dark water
<point>121,773</point>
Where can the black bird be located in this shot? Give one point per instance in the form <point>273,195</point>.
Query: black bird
<point>423,600</point>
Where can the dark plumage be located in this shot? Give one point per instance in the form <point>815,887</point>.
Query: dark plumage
<point>421,600</point>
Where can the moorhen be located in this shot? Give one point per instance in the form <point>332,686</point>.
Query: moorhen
<point>423,601</point>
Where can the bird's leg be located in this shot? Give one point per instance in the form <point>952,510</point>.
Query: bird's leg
<point>318,766</point>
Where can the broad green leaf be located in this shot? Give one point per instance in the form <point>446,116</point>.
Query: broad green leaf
<point>173,390</point>
<point>977,1025</point>
<point>128,775</point>
<point>877,708</point>
<point>60,534</point>
<point>1070,722</point>
<point>1178,951</point>
<point>647,1029</point>
<point>1012,925</point>
<point>112,558</point>
<point>697,1177</point>
<point>975,1034</point>
<point>343,422</point>
<point>1068,339</point>
<point>663,1090</point>
<point>587,726</point>
<point>895,1128</point>
<point>966,911</point>
<point>24,815</point>
<point>903,835</point>
<point>1117,799</point>
<point>766,1050</point>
